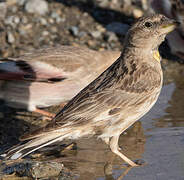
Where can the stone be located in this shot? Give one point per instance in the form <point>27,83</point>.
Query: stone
<point>74,30</point>
<point>96,34</point>
<point>37,6</point>
<point>10,38</point>
<point>3,10</point>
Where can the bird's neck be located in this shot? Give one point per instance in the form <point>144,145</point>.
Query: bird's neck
<point>141,54</point>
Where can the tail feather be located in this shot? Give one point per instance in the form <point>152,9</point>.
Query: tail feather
<point>33,145</point>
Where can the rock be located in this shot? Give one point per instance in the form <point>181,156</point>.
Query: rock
<point>54,15</point>
<point>100,28</point>
<point>14,9</point>
<point>82,34</point>
<point>11,2</point>
<point>54,29</point>
<point>21,2</point>
<point>3,10</point>
<point>16,20</point>
<point>12,21</point>
<point>51,21</point>
<point>137,13</point>
<point>43,21</point>
<point>118,28</point>
<point>59,20</point>
<point>45,33</point>
<point>111,36</point>
<point>37,6</point>
<point>10,38</point>
<point>9,20</point>
<point>74,30</point>
<point>96,34</point>
<point>24,20</point>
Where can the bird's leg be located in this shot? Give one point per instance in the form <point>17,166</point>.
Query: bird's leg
<point>107,140</point>
<point>114,148</point>
<point>45,113</point>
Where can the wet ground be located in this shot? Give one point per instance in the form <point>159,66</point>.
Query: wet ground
<point>158,138</point>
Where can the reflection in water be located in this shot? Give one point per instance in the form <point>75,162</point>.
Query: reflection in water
<point>174,116</point>
<point>109,175</point>
<point>92,160</point>
<point>92,157</point>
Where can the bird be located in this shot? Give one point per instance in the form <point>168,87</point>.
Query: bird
<point>172,9</point>
<point>116,99</point>
<point>50,76</point>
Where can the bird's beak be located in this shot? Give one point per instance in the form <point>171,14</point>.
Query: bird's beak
<point>169,26</point>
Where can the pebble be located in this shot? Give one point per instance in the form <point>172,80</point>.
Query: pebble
<point>43,21</point>
<point>21,2</point>
<point>118,28</point>
<point>96,34</point>
<point>51,21</point>
<point>14,9</point>
<point>45,33</point>
<point>137,13</point>
<point>11,2</point>
<point>54,29</point>
<point>111,36</point>
<point>24,20</point>
<point>3,10</point>
<point>37,6</point>
<point>100,28</point>
<point>54,15</point>
<point>10,21</point>
<point>16,19</point>
<point>74,30</point>
<point>10,38</point>
<point>82,34</point>
<point>59,20</point>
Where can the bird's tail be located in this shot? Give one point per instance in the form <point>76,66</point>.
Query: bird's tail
<point>35,144</point>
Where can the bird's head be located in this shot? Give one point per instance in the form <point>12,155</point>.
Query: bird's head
<point>149,32</point>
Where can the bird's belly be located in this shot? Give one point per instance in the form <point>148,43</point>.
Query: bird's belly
<point>129,116</point>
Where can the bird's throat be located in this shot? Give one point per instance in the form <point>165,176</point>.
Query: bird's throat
<point>156,55</point>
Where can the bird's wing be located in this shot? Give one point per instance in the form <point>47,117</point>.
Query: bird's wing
<point>11,69</point>
<point>94,100</point>
<point>56,63</point>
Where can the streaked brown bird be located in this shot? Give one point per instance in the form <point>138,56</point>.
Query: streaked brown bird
<point>50,76</point>
<point>111,103</point>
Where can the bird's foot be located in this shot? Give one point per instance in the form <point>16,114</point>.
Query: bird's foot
<point>137,163</point>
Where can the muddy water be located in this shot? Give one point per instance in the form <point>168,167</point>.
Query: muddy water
<point>158,139</point>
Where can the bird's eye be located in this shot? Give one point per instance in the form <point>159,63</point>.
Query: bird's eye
<point>148,24</point>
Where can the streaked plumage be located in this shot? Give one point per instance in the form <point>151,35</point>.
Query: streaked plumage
<point>50,76</point>
<point>173,9</point>
<point>111,103</point>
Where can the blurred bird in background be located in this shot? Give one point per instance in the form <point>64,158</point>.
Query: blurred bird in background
<point>50,76</point>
